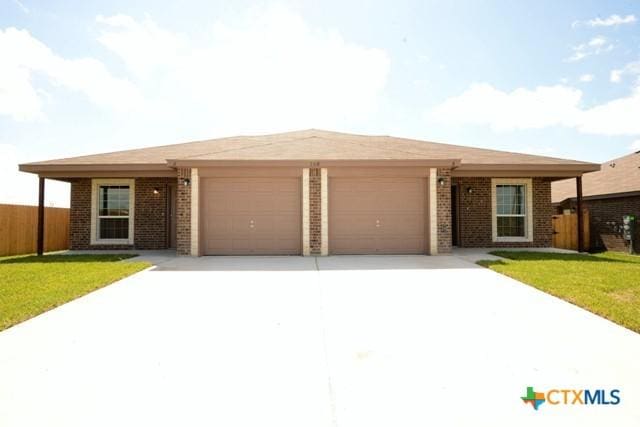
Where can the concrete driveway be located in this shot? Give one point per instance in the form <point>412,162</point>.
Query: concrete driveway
<point>338,341</point>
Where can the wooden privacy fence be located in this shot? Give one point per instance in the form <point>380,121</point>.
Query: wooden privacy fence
<point>565,231</point>
<point>19,229</point>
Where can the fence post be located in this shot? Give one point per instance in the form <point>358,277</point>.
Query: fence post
<point>40,249</point>
<point>579,212</point>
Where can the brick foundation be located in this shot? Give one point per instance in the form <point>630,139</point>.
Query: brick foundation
<point>475,214</point>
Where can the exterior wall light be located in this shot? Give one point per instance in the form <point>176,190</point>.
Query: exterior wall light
<point>469,190</point>
<point>441,182</point>
<point>186,182</point>
<point>156,190</point>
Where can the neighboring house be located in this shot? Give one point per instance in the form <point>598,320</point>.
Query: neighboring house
<point>309,192</point>
<point>608,194</point>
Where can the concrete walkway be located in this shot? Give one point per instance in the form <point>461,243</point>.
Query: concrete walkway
<point>292,341</point>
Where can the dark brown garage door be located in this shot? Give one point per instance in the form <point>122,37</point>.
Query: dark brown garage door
<point>377,215</point>
<point>251,216</point>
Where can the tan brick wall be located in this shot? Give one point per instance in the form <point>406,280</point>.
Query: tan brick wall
<point>183,208</point>
<point>444,211</point>
<point>475,214</point>
<point>150,227</point>
<point>315,211</point>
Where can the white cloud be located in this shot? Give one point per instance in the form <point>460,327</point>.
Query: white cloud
<point>635,145</point>
<point>521,109</point>
<point>613,20</point>
<point>23,56</point>
<point>632,68</point>
<point>586,78</point>
<point>264,70</point>
<point>616,117</point>
<point>595,46</point>
<point>545,106</point>
<point>22,188</point>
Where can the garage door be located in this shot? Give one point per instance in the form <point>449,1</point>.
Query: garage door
<point>377,215</point>
<point>251,216</point>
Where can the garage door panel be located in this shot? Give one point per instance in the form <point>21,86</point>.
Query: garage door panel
<point>377,215</point>
<point>263,203</point>
<point>402,225</point>
<point>401,202</point>
<point>219,224</point>
<point>353,245</point>
<point>402,245</point>
<point>286,203</point>
<point>233,205</point>
<point>287,225</point>
<point>352,224</point>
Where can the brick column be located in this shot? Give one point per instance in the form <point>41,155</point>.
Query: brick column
<point>444,210</point>
<point>183,224</point>
<point>315,211</point>
<point>324,212</point>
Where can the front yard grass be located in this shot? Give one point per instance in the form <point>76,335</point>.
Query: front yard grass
<point>607,284</point>
<point>30,285</point>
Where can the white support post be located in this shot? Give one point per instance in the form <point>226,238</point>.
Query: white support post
<point>306,246</point>
<point>433,211</point>
<point>195,213</point>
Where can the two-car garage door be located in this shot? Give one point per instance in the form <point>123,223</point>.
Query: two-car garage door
<point>263,216</point>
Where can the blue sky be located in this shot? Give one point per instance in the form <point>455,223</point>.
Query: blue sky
<point>552,78</point>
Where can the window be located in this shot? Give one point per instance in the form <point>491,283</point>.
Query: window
<point>512,209</point>
<point>112,207</point>
<point>113,212</point>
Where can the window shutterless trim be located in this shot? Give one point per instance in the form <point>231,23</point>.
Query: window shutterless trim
<point>528,183</point>
<point>95,188</point>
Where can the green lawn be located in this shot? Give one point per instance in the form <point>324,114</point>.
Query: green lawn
<point>607,284</point>
<point>30,285</point>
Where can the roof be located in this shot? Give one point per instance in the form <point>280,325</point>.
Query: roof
<point>617,176</point>
<point>306,145</point>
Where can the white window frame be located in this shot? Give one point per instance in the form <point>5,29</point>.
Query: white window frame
<point>527,182</point>
<point>95,197</point>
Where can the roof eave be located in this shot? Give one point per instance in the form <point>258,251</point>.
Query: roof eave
<point>97,170</point>
<point>557,171</point>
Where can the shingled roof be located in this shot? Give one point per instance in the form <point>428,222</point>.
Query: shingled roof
<point>616,177</point>
<point>307,145</point>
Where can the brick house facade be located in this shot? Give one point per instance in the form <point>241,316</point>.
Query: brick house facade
<point>475,217</point>
<point>272,194</point>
